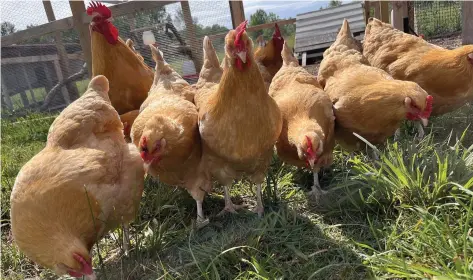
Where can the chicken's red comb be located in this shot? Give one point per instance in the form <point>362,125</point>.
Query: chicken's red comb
<point>277,32</point>
<point>241,27</point>
<point>102,10</point>
<point>428,106</point>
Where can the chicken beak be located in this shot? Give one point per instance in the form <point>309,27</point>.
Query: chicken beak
<point>146,167</point>
<point>91,276</point>
<point>424,121</point>
<point>312,163</point>
<point>242,56</point>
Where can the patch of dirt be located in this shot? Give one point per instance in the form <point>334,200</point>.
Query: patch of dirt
<point>448,42</point>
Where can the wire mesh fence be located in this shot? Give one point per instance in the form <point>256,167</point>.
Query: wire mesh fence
<point>34,70</point>
<point>47,72</point>
<point>437,18</point>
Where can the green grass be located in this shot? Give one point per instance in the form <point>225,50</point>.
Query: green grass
<point>40,93</point>
<point>407,216</point>
<point>438,17</point>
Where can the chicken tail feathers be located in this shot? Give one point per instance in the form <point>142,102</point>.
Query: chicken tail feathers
<point>209,53</point>
<point>100,84</point>
<point>161,65</point>
<point>345,30</point>
<point>287,56</point>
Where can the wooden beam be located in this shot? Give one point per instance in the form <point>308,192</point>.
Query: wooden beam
<point>68,23</point>
<point>131,7</point>
<point>467,15</point>
<point>25,77</point>
<point>367,10</point>
<point>38,58</point>
<point>61,51</point>
<point>78,10</point>
<point>60,77</point>
<point>398,14</point>
<point>384,7</point>
<point>377,9</point>
<point>258,27</point>
<point>37,31</point>
<point>237,12</point>
<point>6,95</point>
<point>196,47</point>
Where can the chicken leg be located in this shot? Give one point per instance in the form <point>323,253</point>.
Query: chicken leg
<point>126,239</point>
<point>397,135</point>
<point>420,130</point>
<point>259,201</point>
<point>201,220</point>
<point>229,206</point>
<point>316,193</point>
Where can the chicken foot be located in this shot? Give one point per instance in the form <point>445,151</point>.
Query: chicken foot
<point>229,206</point>
<point>316,193</point>
<point>201,220</point>
<point>259,202</point>
<point>126,239</point>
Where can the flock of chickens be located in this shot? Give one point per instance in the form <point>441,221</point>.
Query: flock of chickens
<point>88,180</point>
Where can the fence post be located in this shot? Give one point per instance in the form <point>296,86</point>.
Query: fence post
<point>366,6</point>
<point>467,15</point>
<point>6,95</point>
<point>384,7</point>
<point>399,13</point>
<point>196,48</point>
<point>61,52</point>
<point>237,12</point>
<point>78,10</point>
<point>61,78</point>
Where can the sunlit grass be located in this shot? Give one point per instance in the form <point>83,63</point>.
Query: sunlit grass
<point>406,216</point>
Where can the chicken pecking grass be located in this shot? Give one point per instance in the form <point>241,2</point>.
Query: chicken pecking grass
<point>408,215</point>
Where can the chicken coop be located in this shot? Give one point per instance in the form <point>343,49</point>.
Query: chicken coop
<point>46,51</point>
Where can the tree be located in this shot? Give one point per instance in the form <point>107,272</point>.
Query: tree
<point>8,28</point>
<point>261,17</point>
<point>45,39</point>
<point>334,3</point>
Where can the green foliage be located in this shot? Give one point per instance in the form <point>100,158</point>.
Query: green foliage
<point>334,3</point>
<point>406,216</point>
<point>7,28</point>
<point>435,18</point>
<point>261,17</point>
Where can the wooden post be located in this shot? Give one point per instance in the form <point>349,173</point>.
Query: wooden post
<point>384,7</point>
<point>399,13</point>
<point>410,15</point>
<point>467,15</point>
<point>60,78</point>
<point>196,47</point>
<point>237,12</point>
<point>6,95</point>
<point>377,9</point>
<point>61,51</point>
<point>367,8</point>
<point>78,10</point>
<point>25,76</point>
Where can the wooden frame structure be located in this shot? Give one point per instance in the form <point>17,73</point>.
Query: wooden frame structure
<point>80,20</point>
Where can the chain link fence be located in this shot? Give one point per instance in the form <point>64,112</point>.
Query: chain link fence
<point>46,73</point>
